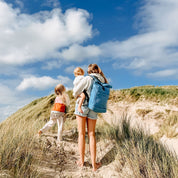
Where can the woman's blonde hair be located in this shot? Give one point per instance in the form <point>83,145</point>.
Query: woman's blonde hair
<point>78,71</point>
<point>60,91</point>
<point>94,68</point>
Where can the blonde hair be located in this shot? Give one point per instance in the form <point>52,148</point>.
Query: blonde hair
<point>60,91</point>
<point>94,68</point>
<point>78,71</point>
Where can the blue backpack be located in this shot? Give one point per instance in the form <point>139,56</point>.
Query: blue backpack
<point>99,96</point>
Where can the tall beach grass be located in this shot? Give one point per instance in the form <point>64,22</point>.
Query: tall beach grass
<point>21,151</point>
<point>19,144</point>
<point>145,156</point>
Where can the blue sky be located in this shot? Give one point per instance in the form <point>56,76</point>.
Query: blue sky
<point>134,42</point>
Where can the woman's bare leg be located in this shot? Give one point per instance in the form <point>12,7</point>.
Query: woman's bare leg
<point>81,138</point>
<point>92,142</point>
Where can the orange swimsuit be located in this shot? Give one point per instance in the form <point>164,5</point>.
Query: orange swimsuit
<point>58,105</point>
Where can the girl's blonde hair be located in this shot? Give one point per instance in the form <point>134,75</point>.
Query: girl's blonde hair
<point>94,68</point>
<point>60,91</point>
<point>78,71</point>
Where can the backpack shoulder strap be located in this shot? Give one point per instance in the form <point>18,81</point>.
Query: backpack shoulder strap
<point>94,78</point>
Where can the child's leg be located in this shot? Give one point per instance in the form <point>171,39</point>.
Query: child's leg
<point>60,127</point>
<point>82,96</point>
<point>49,124</point>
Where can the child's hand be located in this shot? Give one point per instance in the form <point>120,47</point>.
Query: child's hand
<point>80,109</point>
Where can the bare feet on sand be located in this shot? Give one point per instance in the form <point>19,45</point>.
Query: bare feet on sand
<point>97,166</point>
<point>80,110</point>
<point>79,163</point>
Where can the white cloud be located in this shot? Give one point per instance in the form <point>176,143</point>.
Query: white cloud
<point>156,44</point>
<point>29,38</point>
<point>80,53</point>
<point>39,83</point>
<point>158,15</point>
<point>70,69</point>
<point>52,64</point>
<point>42,83</point>
<point>66,81</point>
<point>8,109</point>
<point>164,73</point>
<point>11,100</point>
<point>6,94</point>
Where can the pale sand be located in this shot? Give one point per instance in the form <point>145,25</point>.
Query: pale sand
<point>148,123</point>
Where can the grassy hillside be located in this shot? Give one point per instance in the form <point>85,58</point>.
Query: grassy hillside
<point>17,135</point>
<point>21,151</point>
<point>160,96</point>
<point>19,146</point>
<point>165,94</point>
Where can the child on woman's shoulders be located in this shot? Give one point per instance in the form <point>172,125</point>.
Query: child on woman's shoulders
<point>79,75</point>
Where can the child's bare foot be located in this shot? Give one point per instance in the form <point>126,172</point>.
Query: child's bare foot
<point>40,132</point>
<point>80,110</point>
<point>79,163</point>
<point>97,166</point>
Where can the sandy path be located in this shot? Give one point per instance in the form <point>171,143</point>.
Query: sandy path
<point>60,159</point>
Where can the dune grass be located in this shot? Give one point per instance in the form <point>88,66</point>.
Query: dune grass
<point>145,156</point>
<point>164,94</point>
<point>169,127</point>
<point>17,149</point>
<point>21,152</point>
<point>18,138</point>
<point>143,112</point>
<point>20,148</point>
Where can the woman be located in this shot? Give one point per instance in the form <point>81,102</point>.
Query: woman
<point>88,116</point>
